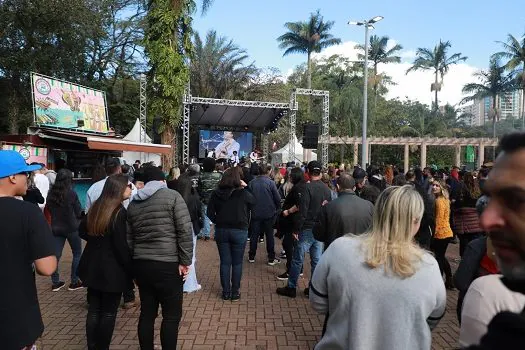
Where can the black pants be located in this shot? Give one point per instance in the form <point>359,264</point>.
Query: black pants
<point>129,294</point>
<point>288,249</point>
<point>159,283</point>
<point>100,321</point>
<point>264,226</point>
<point>439,247</point>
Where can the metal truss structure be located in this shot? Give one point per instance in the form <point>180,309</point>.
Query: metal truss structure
<point>401,141</point>
<point>237,103</point>
<point>187,101</point>
<point>324,124</point>
<point>143,110</point>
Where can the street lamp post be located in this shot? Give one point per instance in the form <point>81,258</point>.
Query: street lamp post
<point>364,144</point>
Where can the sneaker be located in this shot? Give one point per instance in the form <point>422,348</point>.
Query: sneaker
<point>287,292</point>
<point>248,239</point>
<point>236,297</point>
<point>251,260</point>
<point>131,304</point>
<point>261,240</point>
<point>273,262</point>
<point>307,291</point>
<point>75,286</point>
<point>301,274</point>
<point>58,286</point>
<point>199,287</point>
<point>283,277</point>
<point>283,255</point>
<point>226,296</point>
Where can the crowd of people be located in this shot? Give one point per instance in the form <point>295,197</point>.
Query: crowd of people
<point>376,239</point>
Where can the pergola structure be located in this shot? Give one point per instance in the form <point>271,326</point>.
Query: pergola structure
<point>422,142</point>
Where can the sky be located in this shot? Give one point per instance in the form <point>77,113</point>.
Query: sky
<point>472,27</point>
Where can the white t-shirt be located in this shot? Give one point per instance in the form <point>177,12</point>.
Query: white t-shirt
<point>42,183</point>
<point>486,297</point>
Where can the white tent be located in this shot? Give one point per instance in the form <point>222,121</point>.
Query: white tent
<point>134,136</point>
<point>281,155</point>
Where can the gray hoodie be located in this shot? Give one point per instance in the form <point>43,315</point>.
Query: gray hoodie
<point>159,225</point>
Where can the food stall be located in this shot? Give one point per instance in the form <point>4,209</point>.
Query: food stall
<point>71,130</point>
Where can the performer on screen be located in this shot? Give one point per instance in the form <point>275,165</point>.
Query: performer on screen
<point>225,149</point>
<point>234,159</point>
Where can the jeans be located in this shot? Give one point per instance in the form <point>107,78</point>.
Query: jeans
<point>206,226</point>
<point>231,244</point>
<point>76,248</point>
<point>159,283</point>
<point>100,320</point>
<point>258,227</point>
<point>306,242</point>
<point>439,247</point>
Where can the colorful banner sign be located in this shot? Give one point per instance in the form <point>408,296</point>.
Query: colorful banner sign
<point>470,154</point>
<point>31,154</point>
<point>61,104</point>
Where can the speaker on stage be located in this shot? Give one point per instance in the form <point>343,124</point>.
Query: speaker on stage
<point>310,136</point>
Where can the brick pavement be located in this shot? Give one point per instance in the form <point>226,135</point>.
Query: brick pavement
<point>261,320</point>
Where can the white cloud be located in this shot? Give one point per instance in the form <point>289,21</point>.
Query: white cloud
<point>415,85</point>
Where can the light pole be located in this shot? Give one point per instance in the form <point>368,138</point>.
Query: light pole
<point>364,144</point>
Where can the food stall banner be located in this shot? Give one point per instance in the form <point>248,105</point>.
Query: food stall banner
<point>64,105</point>
<point>30,153</point>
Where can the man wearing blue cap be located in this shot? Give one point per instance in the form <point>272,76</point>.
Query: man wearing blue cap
<point>26,240</point>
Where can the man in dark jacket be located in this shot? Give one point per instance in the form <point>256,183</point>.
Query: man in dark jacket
<point>346,214</point>
<point>208,181</point>
<point>267,202</point>
<point>160,238</point>
<point>316,194</point>
<point>426,229</point>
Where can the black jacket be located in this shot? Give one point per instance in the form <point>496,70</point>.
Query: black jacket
<point>231,208</point>
<point>195,208</point>
<point>65,218</point>
<point>428,222</point>
<point>33,195</point>
<point>292,222</point>
<point>105,264</point>
<point>346,214</point>
<point>315,194</point>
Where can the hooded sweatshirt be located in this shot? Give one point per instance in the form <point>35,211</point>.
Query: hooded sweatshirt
<point>231,208</point>
<point>159,225</point>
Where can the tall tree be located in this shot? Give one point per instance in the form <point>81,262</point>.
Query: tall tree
<point>379,52</point>
<point>307,37</point>
<point>491,83</point>
<point>218,67</point>
<point>438,61</point>
<point>167,44</point>
<point>514,51</point>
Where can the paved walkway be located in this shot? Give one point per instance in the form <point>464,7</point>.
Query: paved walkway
<point>261,320</point>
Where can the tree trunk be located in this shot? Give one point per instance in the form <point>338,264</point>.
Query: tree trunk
<point>309,75</point>
<point>436,93</point>
<point>169,137</point>
<point>494,108</point>
<point>13,114</point>
<point>375,85</point>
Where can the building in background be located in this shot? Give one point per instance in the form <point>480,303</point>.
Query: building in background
<point>510,106</point>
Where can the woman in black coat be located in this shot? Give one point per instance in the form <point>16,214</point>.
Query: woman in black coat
<point>106,262</point>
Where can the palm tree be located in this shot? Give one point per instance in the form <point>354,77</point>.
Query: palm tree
<point>438,61</point>
<point>218,68</point>
<point>515,53</point>
<point>492,83</point>
<point>308,37</point>
<point>379,52</point>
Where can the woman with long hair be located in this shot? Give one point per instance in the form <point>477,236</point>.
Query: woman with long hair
<point>230,209</point>
<point>183,185</point>
<point>65,211</point>
<point>289,220</point>
<point>443,232</point>
<point>390,276</point>
<point>106,262</point>
<point>465,219</point>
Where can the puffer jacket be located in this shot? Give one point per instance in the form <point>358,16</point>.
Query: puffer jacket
<point>207,184</point>
<point>159,225</point>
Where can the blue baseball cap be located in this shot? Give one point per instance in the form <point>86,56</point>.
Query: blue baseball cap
<point>12,163</point>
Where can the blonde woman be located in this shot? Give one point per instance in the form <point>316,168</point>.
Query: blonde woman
<point>394,294</point>
<point>443,232</point>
